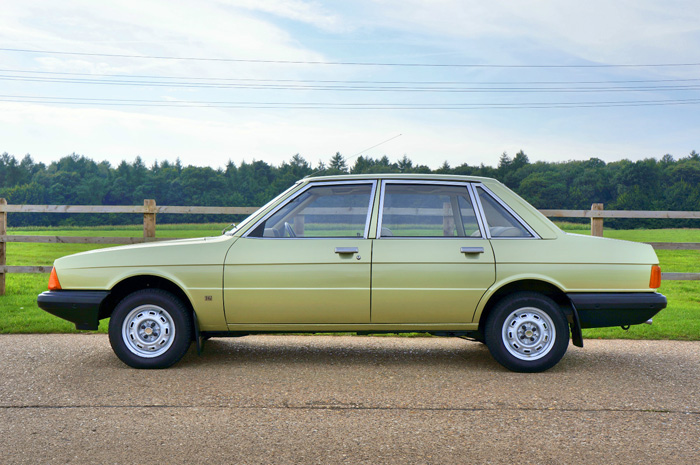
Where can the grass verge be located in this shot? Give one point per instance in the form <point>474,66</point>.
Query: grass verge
<point>19,313</point>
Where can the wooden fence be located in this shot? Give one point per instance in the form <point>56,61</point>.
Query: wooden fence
<point>149,210</point>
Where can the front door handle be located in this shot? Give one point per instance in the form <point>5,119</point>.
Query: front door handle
<point>342,250</point>
<point>471,249</point>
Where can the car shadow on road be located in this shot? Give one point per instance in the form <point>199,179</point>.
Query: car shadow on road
<point>325,351</point>
<point>401,352</point>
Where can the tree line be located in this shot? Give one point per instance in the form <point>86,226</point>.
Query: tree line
<point>648,184</point>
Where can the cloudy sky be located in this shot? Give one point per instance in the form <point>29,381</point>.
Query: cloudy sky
<point>462,81</point>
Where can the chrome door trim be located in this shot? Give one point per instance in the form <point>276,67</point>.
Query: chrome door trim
<point>311,184</point>
<point>465,184</point>
<point>344,250</point>
<point>244,223</point>
<point>508,209</point>
<point>479,212</point>
<point>470,250</point>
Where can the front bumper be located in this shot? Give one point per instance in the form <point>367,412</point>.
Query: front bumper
<point>598,310</point>
<point>79,307</point>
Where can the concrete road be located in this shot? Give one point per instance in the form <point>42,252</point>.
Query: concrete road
<point>289,399</point>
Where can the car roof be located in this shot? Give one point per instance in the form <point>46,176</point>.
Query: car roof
<point>411,176</point>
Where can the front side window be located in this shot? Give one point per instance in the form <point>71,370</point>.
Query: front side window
<point>336,210</point>
<point>501,222</point>
<point>427,210</point>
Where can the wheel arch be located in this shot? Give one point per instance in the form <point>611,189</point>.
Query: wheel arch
<point>137,283</point>
<point>531,285</point>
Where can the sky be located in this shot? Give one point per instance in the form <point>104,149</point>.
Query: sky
<point>456,81</point>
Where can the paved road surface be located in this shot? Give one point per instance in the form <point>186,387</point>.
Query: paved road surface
<point>269,399</point>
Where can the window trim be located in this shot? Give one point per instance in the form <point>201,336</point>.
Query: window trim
<point>244,224</point>
<point>472,197</point>
<point>480,218</point>
<point>517,217</point>
<point>368,217</point>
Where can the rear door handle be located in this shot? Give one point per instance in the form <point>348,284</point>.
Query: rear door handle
<point>471,249</point>
<point>342,250</point>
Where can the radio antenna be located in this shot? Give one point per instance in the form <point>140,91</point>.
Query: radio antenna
<point>357,154</point>
<point>370,148</point>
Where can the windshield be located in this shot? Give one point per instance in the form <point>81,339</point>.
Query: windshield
<point>252,215</point>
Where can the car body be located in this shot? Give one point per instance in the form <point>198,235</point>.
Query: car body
<point>447,255</point>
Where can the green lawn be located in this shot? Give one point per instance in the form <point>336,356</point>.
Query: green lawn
<point>19,313</point>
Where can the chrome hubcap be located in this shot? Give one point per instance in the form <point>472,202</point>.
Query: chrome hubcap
<point>148,331</point>
<point>528,333</point>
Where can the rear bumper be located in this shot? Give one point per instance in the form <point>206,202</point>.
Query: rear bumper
<point>79,307</point>
<point>597,310</point>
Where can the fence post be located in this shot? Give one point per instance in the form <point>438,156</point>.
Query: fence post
<point>597,223</point>
<point>3,254</point>
<point>448,222</point>
<point>149,219</point>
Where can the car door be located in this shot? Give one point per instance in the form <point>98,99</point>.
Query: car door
<point>307,262</point>
<point>431,262</point>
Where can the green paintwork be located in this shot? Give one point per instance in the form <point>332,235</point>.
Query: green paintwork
<point>273,284</point>
<point>293,280</point>
<point>428,280</point>
<point>194,265</point>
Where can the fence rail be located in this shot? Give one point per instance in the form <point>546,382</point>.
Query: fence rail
<point>82,239</point>
<point>620,214</point>
<point>184,210</point>
<point>149,210</point>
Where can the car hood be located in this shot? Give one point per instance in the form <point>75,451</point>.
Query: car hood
<point>197,251</point>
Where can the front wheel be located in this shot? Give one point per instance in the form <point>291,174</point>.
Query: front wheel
<point>527,332</point>
<point>150,328</point>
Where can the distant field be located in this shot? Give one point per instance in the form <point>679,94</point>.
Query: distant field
<point>19,313</point>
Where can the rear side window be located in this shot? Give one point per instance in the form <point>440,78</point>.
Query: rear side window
<point>501,222</point>
<point>427,210</point>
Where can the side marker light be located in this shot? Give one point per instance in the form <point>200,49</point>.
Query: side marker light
<point>655,278</point>
<point>54,285</point>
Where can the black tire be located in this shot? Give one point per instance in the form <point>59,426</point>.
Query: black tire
<point>527,332</point>
<point>150,328</point>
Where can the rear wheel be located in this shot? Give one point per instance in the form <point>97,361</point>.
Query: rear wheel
<point>527,332</point>
<point>150,328</point>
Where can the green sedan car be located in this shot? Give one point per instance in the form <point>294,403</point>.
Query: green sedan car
<point>446,255</point>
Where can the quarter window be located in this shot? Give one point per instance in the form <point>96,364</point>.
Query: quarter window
<point>337,210</point>
<point>422,210</point>
<point>501,222</point>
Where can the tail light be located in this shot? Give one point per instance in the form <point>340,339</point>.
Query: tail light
<point>655,279</point>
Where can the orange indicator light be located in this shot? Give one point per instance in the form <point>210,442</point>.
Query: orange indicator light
<point>655,279</point>
<point>54,285</point>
